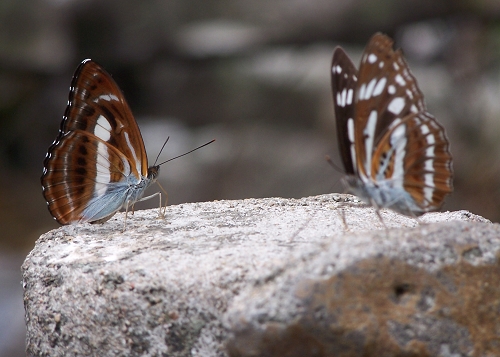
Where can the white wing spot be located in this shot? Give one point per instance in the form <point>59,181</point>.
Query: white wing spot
<point>398,134</point>
<point>409,94</point>
<point>103,170</point>
<point>344,94</point>
<point>361,93</point>
<point>381,64</point>
<point>429,177</point>
<point>400,80</point>
<point>339,99</point>
<point>428,191</point>
<point>396,105</point>
<point>372,58</point>
<point>394,123</point>
<point>350,94</point>
<point>106,97</point>
<point>391,89</point>
<point>350,136</point>
<point>379,88</point>
<point>369,88</point>
<point>138,164</point>
<point>369,132</point>
<point>398,142</point>
<point>425,130</point>
<point>429,163</point>
<point>350,129</point>
<point>431,140</point>
<point>396,66</point>
<point>102,129</point>
<point>338,69</point>
<point>413,108</point>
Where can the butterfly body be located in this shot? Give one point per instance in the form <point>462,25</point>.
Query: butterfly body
<point>98,164</point>
<point>385,193</point>
<point>394,152</point>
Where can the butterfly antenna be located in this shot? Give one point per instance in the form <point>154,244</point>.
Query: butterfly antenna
<point>190,151</point>
<point>332,164</point>
<point>157,157</point>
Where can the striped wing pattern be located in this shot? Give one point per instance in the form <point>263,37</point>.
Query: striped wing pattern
<point>98,162</point>
<point>395,153</point>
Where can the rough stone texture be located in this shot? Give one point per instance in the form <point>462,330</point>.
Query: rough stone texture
<point>266,277</point>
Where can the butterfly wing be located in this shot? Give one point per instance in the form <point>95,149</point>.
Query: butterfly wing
<point>416,157</point>
<point>99,150</point>
<point>386,92</point>
<point>74,188</point>
<point>97,105</point>
<point>397,151</point>
<point>344,79</point>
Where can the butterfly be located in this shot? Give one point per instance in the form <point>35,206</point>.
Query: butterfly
<point>395,154</point>
<point>98,163</point>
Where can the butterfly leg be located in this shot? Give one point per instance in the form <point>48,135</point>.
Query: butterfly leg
<point>125,220</point>
<point>344,204</point>
<point>161,214</point>
<point>377,211</point>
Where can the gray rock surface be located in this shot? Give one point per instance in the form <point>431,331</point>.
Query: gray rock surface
<point>265,277</point>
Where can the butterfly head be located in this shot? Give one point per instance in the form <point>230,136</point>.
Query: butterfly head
<point>153,173</point>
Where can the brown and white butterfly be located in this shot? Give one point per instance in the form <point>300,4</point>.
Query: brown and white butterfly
<point>98,163</point>
<point>395,154</point>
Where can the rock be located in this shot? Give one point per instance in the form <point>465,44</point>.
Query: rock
<point>266,277</point>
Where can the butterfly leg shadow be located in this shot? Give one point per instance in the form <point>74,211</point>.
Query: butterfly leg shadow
<point>369,204</point>
<point>342,208</point>
<point>343,216</point>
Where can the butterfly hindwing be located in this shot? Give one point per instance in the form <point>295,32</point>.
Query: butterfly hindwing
<point>70,182</point>
<point>427,162</point>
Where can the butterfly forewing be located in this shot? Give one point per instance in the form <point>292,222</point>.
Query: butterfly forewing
<point>386,92</point>
<point>344,79</point>
<point>97,105</point>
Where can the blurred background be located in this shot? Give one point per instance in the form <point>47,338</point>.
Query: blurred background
<point>252,74</point>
